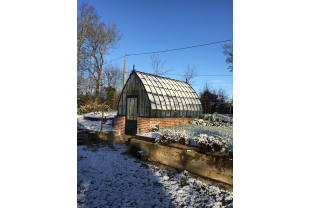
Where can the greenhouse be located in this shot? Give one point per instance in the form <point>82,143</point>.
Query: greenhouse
<point>150,96</point>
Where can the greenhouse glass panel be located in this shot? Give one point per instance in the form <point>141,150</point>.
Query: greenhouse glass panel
<point>172,103</point>
<point>128,86</point>
<point>153,90</point>
<point>152,80</point>
<point>144,81</point>
<point>151,97</point>
<point>146,106</point>
<point>171,92</point>
<point>124,100</point>
<point>168,113</point>
<point>153,106</point>
<point>153,113</point>
<point>135,107</point>
<point>158,83</point>
<point>147,88</point>
<point>120,108</point>
<point>141,100</point>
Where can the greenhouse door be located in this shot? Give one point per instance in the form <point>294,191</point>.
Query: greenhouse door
<point>131,115</point>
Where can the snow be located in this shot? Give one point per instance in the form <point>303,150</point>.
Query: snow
<point>151,134</point>
<point>98,114</point>
<point>107,178</point>
<point>194,131</point>
<point>92,125</point>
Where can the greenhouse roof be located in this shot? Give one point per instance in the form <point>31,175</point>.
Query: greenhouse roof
<point>169,94</point>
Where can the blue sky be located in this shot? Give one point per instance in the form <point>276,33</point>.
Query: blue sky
<point>150,26</point>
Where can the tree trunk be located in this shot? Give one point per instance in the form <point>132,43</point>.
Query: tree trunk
<point>97,88</point>
<point>97,92</point>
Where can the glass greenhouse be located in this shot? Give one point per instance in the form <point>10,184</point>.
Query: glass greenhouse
<point>146,95</point>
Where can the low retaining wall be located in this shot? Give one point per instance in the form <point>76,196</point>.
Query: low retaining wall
<point>145,138</point>
<point>108,136</point>
<point>217,167</point>
<point>97,118</point>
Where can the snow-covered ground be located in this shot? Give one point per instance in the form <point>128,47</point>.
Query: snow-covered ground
<point>195,130</point>
<point>98,115</point>
<point>107,178</point>
<point>92,125</point>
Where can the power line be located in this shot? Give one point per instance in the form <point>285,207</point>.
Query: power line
<point>172,49</point>
<point>180,48</point>
<point>114,59</point>
<point>197,75</point>
<point>202,75</point>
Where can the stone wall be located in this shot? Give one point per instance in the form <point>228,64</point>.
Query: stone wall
<point>216,167</point>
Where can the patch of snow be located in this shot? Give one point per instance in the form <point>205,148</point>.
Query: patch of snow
<point>106,178</point>
<point>151,134</point>
<point>91,125</point>
<point>99,114</point>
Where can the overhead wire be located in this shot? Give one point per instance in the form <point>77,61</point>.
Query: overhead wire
<point>179,48</point>
<point>176,50</point>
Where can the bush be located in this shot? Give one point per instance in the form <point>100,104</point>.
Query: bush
<point>214,120</point>
<point>212,144</point>
<point>183,178</point>
<point>167,136</point>
<point>92,107</point>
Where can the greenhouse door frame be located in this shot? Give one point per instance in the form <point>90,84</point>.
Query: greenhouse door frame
<point>131,118</point>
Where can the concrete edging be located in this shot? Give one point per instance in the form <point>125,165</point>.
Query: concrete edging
<point>108,136</point>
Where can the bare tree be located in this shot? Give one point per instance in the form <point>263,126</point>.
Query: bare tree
<point>228,51</point>
<point>189,74</point>
<point>97,40</point>
<point>208,98</point>
<point>158,66</point>
<point>112,76</point>
<point>87,17</point>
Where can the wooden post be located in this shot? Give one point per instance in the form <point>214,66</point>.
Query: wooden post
<point>101,120</point>
<point>124,70</point>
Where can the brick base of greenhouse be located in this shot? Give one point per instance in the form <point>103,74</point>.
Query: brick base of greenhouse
<point>145,123</point>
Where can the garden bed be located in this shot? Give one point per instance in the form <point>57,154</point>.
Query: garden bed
<point>180,146</point>
<point>195,130</point>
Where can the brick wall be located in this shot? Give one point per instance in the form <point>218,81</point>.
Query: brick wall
<point>145,123</point>
<point>119,124</point>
